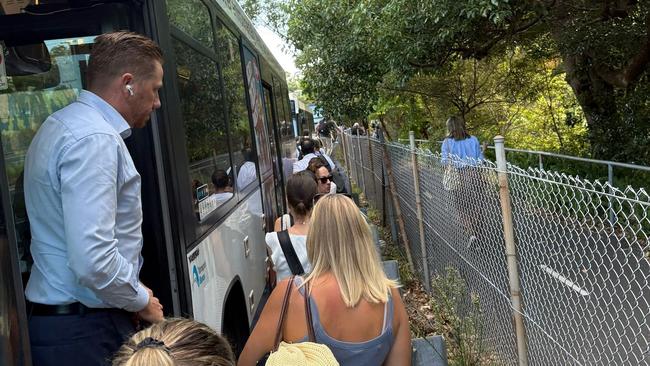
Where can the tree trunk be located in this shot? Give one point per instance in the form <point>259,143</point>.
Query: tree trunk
<point>598,101</point>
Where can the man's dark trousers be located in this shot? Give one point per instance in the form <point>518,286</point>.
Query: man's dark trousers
<point>90,339</point>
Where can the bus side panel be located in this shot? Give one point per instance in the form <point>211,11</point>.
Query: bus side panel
<point>222,257</point>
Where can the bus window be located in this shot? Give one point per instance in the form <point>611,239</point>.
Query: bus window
<point>24,105</point>
<point>240,132</point>
<point>192,17</point>
<point>255,98</point>
<point>211,176</point>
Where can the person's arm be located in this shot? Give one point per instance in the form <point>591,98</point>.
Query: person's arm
<point>401,350</point>
<point>261,339</point>
<point>278,224</point>
<point>88,174</point>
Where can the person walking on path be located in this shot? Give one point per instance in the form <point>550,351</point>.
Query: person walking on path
<point>308,151</point>
<point>357,312</point>
<point>323,176</point>
<point>83,199</point>
<point>461,156</point>
<point>301,190</point>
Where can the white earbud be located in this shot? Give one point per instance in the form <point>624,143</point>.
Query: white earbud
<point>129,88</point>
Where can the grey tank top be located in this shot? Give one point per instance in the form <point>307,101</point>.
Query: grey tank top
<point>372,352</point>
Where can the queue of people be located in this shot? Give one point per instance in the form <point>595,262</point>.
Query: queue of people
<point>345,302</point>
<point>85,297</point>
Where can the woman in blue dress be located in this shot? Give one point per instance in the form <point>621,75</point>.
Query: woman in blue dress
<point>461,156</point>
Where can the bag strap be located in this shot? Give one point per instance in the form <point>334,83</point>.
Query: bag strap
<point>287,221</point>
<point>285,305</point>
<point>290,253</point>
<point>310,322</point>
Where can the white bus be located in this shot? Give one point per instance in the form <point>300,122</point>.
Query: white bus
<point>225,110</point>
<point>302,116</point>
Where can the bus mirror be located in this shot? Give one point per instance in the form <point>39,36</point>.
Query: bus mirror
<point>30,66</point>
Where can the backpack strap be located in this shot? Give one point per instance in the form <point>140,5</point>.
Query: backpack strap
<point>290,253</point>
<point>286,221</point>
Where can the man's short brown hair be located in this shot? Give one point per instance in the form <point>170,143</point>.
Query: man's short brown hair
<point>119,52</point>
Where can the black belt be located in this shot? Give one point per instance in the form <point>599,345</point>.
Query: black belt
<point>76,308</point>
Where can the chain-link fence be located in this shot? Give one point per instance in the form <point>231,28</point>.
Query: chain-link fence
<point>583,276</point>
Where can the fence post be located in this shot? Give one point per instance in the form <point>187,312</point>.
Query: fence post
<point>511,251</point>
<point>345,154</point>
<point>610,180</point>
<point>372,173</point>
<point>397,210</point>
<point>418,206</point>
<point>384,204</point>
<point>541,164</point>
<point>362,180</point>
<point>353,162</point>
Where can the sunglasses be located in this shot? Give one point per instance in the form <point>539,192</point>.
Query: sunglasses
<point>325,179</point>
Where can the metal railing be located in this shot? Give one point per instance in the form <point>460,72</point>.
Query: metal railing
<point>584,278</point>
<point>541,154</point>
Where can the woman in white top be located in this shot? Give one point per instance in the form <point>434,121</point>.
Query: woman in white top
<point>301,189</point>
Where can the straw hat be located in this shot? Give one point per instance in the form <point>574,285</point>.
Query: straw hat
<point>302,354</point>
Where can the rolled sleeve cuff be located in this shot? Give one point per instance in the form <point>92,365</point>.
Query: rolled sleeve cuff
<point>141,301</point>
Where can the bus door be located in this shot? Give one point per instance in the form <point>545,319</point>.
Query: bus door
<point>275,148</point>
<point>264,149</point>
<point>14,345</point>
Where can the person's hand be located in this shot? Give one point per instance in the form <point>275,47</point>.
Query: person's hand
<point>153,312</point>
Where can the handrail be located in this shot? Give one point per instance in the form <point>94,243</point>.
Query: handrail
<point>576,158</point>
<point>568,157</point>
<point>608,163</point>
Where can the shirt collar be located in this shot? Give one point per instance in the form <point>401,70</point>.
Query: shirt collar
<point>112,116</point>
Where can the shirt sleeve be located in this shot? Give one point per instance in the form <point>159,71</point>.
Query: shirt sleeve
<point>277,256</point>
<point>88,172</point>
<point>329,161</point>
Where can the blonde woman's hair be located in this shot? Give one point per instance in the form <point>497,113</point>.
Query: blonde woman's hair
<point>339,241</point>
<point>175,342</point>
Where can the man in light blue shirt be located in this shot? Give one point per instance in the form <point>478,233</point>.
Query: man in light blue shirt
<point>82,193</point>
<point>320,151</point>
<point>307,147</point>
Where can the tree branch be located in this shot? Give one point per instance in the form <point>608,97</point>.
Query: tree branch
<point>411,91</point>
<point>626,77</point>
<point>429,65</point>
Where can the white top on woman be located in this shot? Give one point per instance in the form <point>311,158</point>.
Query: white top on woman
<point>280,264</point>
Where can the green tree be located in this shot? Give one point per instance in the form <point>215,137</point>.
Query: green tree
<point>348,49</point>
<point>604,47</point>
